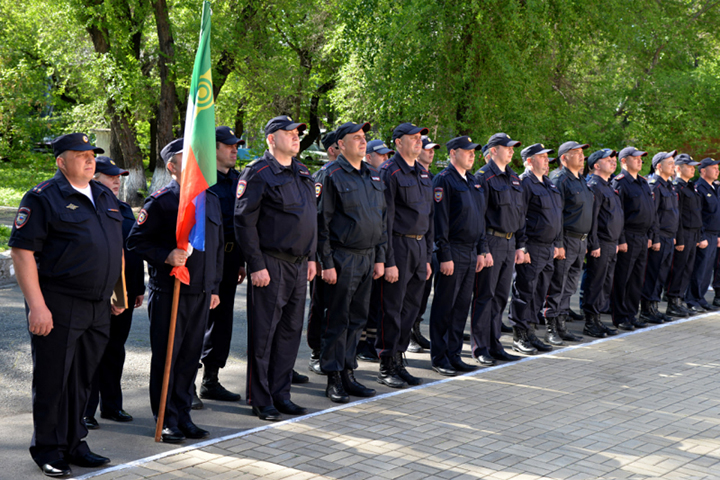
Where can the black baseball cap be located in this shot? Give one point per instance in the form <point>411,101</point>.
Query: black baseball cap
<point>599,155</point>
<point>283,122</point>
<point>78,142</point>
<point>685,159</point>
<point>408,128</point>
<point>502,139</point>
<point>567,146</point>
<point>462,143</point>
<point>484,149</point>
<point>630,152</point>
<point>329,140</point>
<point>350,127</point>
<point>534,149</point>
<point>378,146</point>
<point>227,136</point>
<point>706,162</point>
<point>428,144</point>
<point>172,149</point>
<point>660,156</point>
<point>105,165</point>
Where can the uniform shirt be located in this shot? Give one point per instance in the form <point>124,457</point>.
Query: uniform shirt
<point>275,210</point>
<point>505,211</point>
<point>351,211</point>
<point>543,212</point>
<point>319,178</point>
<point>226,188</point>
<point>578,201</point>
<point>408,196</point>
<point>638,204</point>
<point>459,212</point>
<point>710,207</point>
<point>666,208</point>
<point>608,217</point>
<point>690,204</point>
<point>153,238</point>
<point>134,267</point>
<point>78,246</point>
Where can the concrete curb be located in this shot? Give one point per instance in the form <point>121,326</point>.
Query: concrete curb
<point>7,271</point>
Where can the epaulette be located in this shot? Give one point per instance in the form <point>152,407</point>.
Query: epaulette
<point>480,172</point>
<point>160,192</point>
<point>386,165</point>
<point>373,169</point>
<point>255,162</point>
<point>620,177</point>
<point>40,186</point>
<point>716,182</point>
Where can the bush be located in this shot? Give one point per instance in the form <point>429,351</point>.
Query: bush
<point>22,171</point>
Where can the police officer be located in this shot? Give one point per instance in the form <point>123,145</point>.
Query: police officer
<point>705,256</point>
<point>504,218</point>
<point>67,252</point>
<point>577,221</point>
<point>460,251</point>
<point>408,195</point>
<point>377,153</point>
<point>602,244</point>
<point>690,204</point>
<point>276,226</point>
<point>106,385</point>
<point>661,254</point>
<point>153,238</point>
<point>417,341</point>
<point>542,238</point>
<point>352,239</point>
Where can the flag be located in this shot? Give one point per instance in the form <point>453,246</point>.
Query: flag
<point>199,168</point>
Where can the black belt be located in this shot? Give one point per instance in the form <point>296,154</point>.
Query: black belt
<point>415,237</point>
<point>504,235</point>
<point>286,257</point>
<point>581,236</point>
<point>356,251</point>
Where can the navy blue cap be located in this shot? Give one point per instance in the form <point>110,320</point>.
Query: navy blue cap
<point>378,146</point>
<point>408,129</point>
<point>227,136</point>
<point>105,165</point>
<point>428,144</point>
<point>553,160</point>
<point>660,156</point>
<point>706,162</point>
<point>283,122</point>
<point>685,159</point>
<point>329,140</point>
<point>630,152</point>
<point>462,143</point>
<point>502,139</point>
<point>567,146</point>
<point>77,142</point>
<point>599,155</point>
<point>534,149</point>
<point>350,127</point>
<point>171,149</point>
<point>485,149</point>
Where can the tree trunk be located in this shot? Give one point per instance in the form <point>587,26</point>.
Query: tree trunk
<point>153,144</point>
<point>134,185</point>
<point>314,130</point>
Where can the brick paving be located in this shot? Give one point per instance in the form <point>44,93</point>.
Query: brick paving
<point>638,406</point>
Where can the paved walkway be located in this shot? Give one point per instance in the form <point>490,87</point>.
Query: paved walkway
<point>641,405</point>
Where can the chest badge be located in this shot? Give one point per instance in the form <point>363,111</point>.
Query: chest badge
<point>438,194</point>
<point>477,185</point>
<point>424,175</point>
<point>377,179</point>
<point>72,206</point>
<point>23,214</point>
<point>242,185</point>
<point>318,189</point>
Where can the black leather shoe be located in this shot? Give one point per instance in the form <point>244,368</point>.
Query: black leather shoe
<point>118,416</point>
<point>505,329</point>
<point>521,343</point>
<point>609,331</point>
<point>335,390</point>
<point>91,423</point>
<point>417,336</point>
<point>638,322</point>
<point>269,413</point>
<point>387,375</point>
<point>314,363</point>
<point>648,317</point>
<point>366,352</point>
<point>485,360</point>
<point>288,407</point>
<point>353,387</point>
<point>298,378</point>
<point>536,342</point>
<point>695,309</point>
<point>190,430</point>
<point>172,435</point>
<point>503,355</point>
<point>709,308</point>
<point>57,468</point>
<point>414,347</point>
<point>402,371</point>
<point>461,366</point>
<point>572,315</point>
<point>716,301</point>
<point>591,329</point>
<point>215,391</point>
<point>466,337</point>
<point>552,336</point>
<point>89,460</point>
<point>196,404</point>
<point>445,371</point>
<point>626,325</point>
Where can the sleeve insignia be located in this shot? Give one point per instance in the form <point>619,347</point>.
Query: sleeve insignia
<point>242,185</point>
<point>318,189</point>
<point>142,216</point>
<point>22,216</point>
<point>438,194</point>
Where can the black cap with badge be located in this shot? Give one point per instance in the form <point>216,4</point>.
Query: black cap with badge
<point>77,142</point>
<point>428,144</point>
<point>350,127</point>
<point>630,152</point>
<point>172,149</point>
<point>567,146</point>
<point>106,166</point>
<point>329,140</point>
<point>706,162</point>
<point>502,139</point>
<point>534,149</point>
<point>227,136</point>
<point>660,156</point>
<point>599,155</point>
<point>408,129</point>
<point>283,122</point>
<point>379,147</point>
<point>685,159</point>
<point>462,143</point>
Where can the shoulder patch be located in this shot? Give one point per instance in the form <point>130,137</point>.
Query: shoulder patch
<point>22,216</point>
<point>242,186</point>
<point>438,194</point>
<point>318,189</point>
<point>160,192</point>
<point>620,177</point>
<point>40,186</point>
<point>142,216</point>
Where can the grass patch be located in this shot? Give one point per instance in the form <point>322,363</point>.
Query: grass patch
<point>22,172</point>
<point>4,237</point>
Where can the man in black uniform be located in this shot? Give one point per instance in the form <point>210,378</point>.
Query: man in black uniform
<point>276,226</point>
<point>640,221</point>
<point>106,388</point>
<point>690,205</point>
<point>602,245</point>
<point>153,237</point>
<point>705,256</point>
<point>460,252</point>
<point>67,252</point>
<point>352,239</point>
<point>577,221</point>
<point>408,195</point>
<point>661,254</point>
<point>542,238</point>
<point>504,218</point>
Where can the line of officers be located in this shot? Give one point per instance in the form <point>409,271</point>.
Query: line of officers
<point>378,230</point>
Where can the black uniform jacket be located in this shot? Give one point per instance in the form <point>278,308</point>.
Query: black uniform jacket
<point>690,204</point>
<point>134,266</point>
<point>638,204</point>
<point>544,212</point>
<point>577,201</point>
<point>710,207</point>
<point>505,208</point>
<point>608,217</point>
<point>666,208</point>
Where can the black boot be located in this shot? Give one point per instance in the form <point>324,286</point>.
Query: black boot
<point>646,313</point>
<point>552,336</point>
<point>521,342</point>
<point>388,375</point>
<point>366,352</point>
<point>609,331</point>
<point>563,331</point>
<point>658,313</point>
<point>536,342</point>
<point>591,328</point>
<point>212,389</point>
<point>417,336</point>
<point>402,371</point>
<point>314,363</point>
<point>335,391</point>
<point>353,387</point>
<point>573,315</point>
<point>675,308</point>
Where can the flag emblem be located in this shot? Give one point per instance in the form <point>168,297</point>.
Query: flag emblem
<point>22,217</point>
<point>142,216</point>
<point>318,189</point>
<point>438,194</point>
<point>242,185</point>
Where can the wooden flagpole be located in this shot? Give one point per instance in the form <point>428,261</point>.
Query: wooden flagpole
<point>168,361</point>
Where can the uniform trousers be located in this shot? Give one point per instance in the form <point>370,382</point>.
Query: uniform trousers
<point>401,300</point>
<point>317,313</point>
<point>682,264</point>
<point>347,303</point>
<point>426,295</point>
<point>491,293</point>
<point>702,272</point>
<point>190,327</point>
<point>629,275</point>
<point>658,268</point>
<point>451,305</point>
<point>716,273</point>
<point>64,363</point>
<point>565,278</point>
<point>275,321</point>
<point>531,284</point>
<point>599,275</point>
<point>374,312</point>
